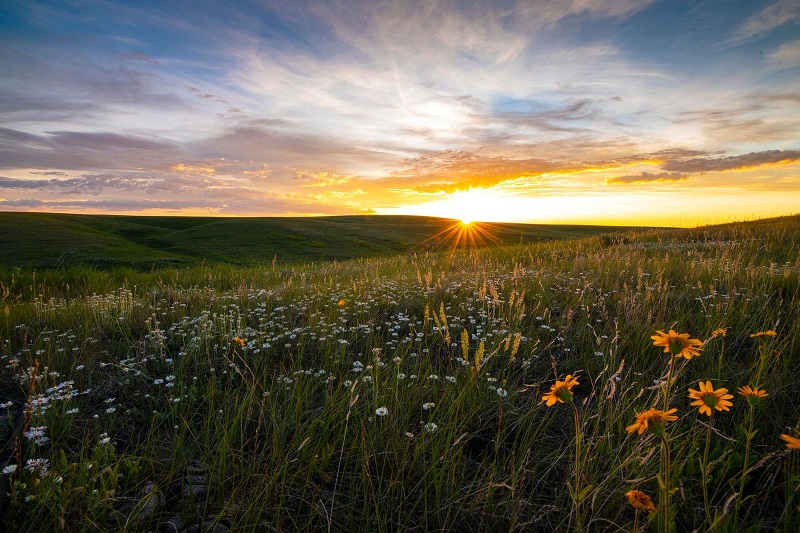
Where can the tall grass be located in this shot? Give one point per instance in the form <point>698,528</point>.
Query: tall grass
<point>247,398</point>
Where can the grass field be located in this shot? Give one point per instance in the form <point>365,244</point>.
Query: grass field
<point>38,240</point>
<point>405,392</point>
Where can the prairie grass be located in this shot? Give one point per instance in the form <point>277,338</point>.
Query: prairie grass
<point>248,398</point>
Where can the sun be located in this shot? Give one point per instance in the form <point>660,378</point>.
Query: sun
<point>466,221</point>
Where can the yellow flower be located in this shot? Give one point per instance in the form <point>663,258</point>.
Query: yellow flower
<point>768,333</point>
<point>791,442</point>
<point>753,395</point>
<point>719,332</point>
<point>652,419</point>
<point>679,344</point>
<point>640,501</point>
<point>239,341</point>
<point>707,398</point>
<point>560,392</point>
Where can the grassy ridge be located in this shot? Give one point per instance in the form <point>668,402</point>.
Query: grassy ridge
<point>253,397</point>
<point>56,240</point>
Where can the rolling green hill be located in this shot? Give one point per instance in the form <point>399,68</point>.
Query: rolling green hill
<point>52,240</point>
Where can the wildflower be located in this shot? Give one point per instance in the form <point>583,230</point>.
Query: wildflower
<point>36,434</point>
<point>762,334</point>
<point>707,398</point>
<point>42,465</point>
<point>652,419</point>
<point>501,392</point>
<point>381,411</point>
<point>561,391</point>
<point>719,332</point>
<point>792,443</point>
<point>428,405</point>
<point>640,501</point>
<point>9,469</point>
<point>679,344</point>
<point>341,303</point>
<point>430,427</point>
<point>239,341</point>
<point>753,395</point>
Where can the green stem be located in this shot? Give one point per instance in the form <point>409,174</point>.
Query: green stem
<point>705,470</point>
<point>665,496</point>
<point>636,521</point>
<point>669,381</point>
<point>576,500</point>
<point>739,497</point>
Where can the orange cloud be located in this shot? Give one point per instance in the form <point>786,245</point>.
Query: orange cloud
<point>192,169</point>
<point>646,177</point>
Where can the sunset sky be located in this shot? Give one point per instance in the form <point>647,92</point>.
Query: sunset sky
<point>575,111</point>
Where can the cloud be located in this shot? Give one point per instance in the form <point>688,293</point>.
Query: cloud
<point>51,173</point>
<point>140,57</point>
<point>451,170</point>
<point>735,162</point>
<point>765,116</point>
<point>566,117</point>
<point>646,177</point>
<point>73,150</point>
<point>770,17</point>
<point>319,179</point>
<point>786,56</point>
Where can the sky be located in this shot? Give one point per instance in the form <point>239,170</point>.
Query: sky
<point>628,112</point>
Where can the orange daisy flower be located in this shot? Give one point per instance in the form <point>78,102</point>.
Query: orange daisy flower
<point>707,398</point>
<point>652,419</point>
<point>561,391</point>
<point>640,501</point>
<point>679,344</point>
<point>753,395</point>
<point>761,334</point>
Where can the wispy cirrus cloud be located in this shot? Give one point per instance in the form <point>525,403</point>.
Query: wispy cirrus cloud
<point>786,55</point>
<point>769,18</point>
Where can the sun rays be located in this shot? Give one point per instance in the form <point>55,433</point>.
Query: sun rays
<point>463,234</point>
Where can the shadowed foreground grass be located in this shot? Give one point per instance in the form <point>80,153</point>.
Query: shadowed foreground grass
<point>405,393</point>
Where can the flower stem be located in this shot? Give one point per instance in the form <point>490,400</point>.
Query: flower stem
<point>665,506</point>
<point>705,470</point>
<point>669,381</point>
<point>576,500</point>
<point>740,496</point>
